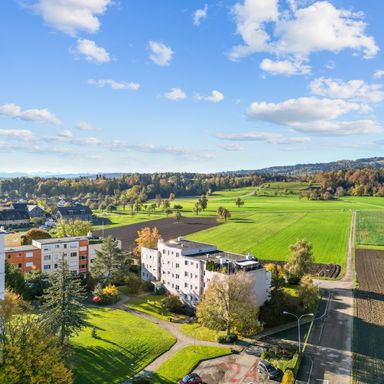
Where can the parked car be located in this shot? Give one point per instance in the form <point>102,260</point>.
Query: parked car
<point>192,378</point>
<point>268,369</point>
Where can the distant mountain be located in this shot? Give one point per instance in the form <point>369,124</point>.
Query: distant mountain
<point>302,169</point>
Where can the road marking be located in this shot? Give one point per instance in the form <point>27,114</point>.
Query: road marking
<point>310,371</point>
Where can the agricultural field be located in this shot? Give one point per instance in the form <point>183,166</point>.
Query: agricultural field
<point>125,344</point>
<point>369,318</point>
<point>370,228</point>
<point>271,218</point>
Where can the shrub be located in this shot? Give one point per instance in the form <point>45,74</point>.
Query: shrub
<point>173,304</point>
<point>133,283</point>
<point>288,378</point>
<point>227,339</point>
<point>107,295</point>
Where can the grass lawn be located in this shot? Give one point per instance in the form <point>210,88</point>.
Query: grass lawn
<point>370,228</point>
<point>125,345</point>
<point>151,304</point>
<point>184,360</point>
<point>199,332</point>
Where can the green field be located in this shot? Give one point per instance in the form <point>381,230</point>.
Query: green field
<point>370,228</point>
<point>125,345</point>
<point>273,217</point>
<point>184,360</point>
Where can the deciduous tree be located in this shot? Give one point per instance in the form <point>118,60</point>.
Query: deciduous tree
<point>71,228</point>
<point>300,261</point>
<point>223,213</point>
<point>34,234</point>
<point>308,293</point>
<point>147,238</point>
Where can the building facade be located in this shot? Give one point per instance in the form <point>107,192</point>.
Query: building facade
<point>25,257</point>
<point>185,268</point>
<point>2,264</point>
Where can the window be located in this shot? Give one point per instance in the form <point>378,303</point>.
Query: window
<point>57,246</point>
<point>19,255</point>
<point>177,265</point>
<point>191,286</point>
<point>29,254</point>
<point>186,262</point>
<point>177,276</point>
<point>177,287</point>
<point>9,256</point>
<point>73,245</point>
<point>186,274</point>
<point>55,266</point>
<point>73,254</point>
<point>29,264</point>
<point>197,265</point>
<point>83,248</point>
<point>47,267</point>
<point>185,285</point>
<point>191,275</point>
<point>47,257</point>
<point>19,266</point>
<point>65,246</point>
<point>47,248</point>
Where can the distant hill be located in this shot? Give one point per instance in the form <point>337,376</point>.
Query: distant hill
<point>302,169</point>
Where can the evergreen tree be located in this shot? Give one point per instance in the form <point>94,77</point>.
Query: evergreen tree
<point>63,309</point>
<point>111,263</point>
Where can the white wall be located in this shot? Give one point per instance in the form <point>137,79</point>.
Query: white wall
<point>2,265</point>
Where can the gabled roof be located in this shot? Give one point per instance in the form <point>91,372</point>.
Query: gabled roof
<point>13,214</point>
<point>74,210</point>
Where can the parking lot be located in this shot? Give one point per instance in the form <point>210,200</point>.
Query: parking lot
<point>240,369</point>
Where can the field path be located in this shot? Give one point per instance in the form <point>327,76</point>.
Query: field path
<point>328,358</point>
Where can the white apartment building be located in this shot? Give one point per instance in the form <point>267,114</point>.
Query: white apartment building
<point>185,268</point>
<point>2,264</point>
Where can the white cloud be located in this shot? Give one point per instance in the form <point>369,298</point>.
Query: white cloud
<point>340,128</point>
<point>214,97</point>
<point>299,33</point>
<point>232,147</point>
<point>21,134</point>
<point>67,134</point>
<point>72,16</point>
<point>200,14</point>
<point>175,94</point>
<point>160,53</point>
<point>83,126</point>
<point>378,74</point>
<point>268,137</point>
<point>303,109</point>
<point>115,84</point>
<point>91,51</point>
<point>118,145</point>
<point>42,115</point>
<point>285,67</point>
<point>356,90</point>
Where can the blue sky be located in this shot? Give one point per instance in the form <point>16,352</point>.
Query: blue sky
<point>102,86</point>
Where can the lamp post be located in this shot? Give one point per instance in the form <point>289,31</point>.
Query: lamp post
<point>298,323</point>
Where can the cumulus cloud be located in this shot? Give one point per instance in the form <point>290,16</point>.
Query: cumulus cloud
<point>378,74</point>
<point>91,51</point>
<point>83,126</point>
<point>72,16</point>
<point>20,134</point>
<point>298,33</point>
<point>285,67</point>
<point>303,109</point>
<point>160,53</point>
<point>356,90</point>
<point>175,94</point>
<point>268,137</point>
<point>199,15</point>
<point>41,115</point>
<point>214,97</point>
<point>114,84</point>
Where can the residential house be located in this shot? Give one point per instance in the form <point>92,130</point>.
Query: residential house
<point>73,212</point>
<point>185,268</point>
<point>35,211</point>
<point>25,257</point>
<point>10,217</point>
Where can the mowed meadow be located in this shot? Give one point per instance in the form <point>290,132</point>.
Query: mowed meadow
<point>273,217</point>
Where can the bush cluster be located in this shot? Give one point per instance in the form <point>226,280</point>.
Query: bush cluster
<point>106,295</point>
<point>227,339</point>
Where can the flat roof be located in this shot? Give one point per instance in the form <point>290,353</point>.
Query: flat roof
<point>186,244</point>
<point>61,240</point>
<point>21,248</point>
<point>246,263</point>
<point>217,255</point>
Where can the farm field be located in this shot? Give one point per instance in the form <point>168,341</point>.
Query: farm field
<point>369,320</point>
<point>370,228</point>
<point>125,345</point>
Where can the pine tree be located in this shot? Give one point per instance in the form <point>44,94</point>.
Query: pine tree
<point>111,263</point>
<point>63,309</point>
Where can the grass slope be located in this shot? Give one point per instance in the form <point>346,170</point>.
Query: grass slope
<point>184,360</point>
<point>125,345</point>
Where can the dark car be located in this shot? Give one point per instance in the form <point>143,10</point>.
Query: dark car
<point>268,369</point>
<point>192,378</point>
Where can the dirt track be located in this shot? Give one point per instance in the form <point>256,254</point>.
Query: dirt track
<point>168,229</point>
<point>369,320</point>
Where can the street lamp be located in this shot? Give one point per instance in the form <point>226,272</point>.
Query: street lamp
<point>298,323</point>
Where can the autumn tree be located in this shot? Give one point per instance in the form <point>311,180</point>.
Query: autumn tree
<point>29,354</point>
<point>72,228</point>
<point>308,293</point>
<point>172,196</point>
<point>63,310</point>
<point>111,263</point>
<point>223,213</point>
<point>197,208</point>
<point>178,216</point>
<point>203,202</point>
<point>146,238</point>
<point>300,260</point>
<point>229,304</point>
<point>34,234</point>
<point>277,274</point>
